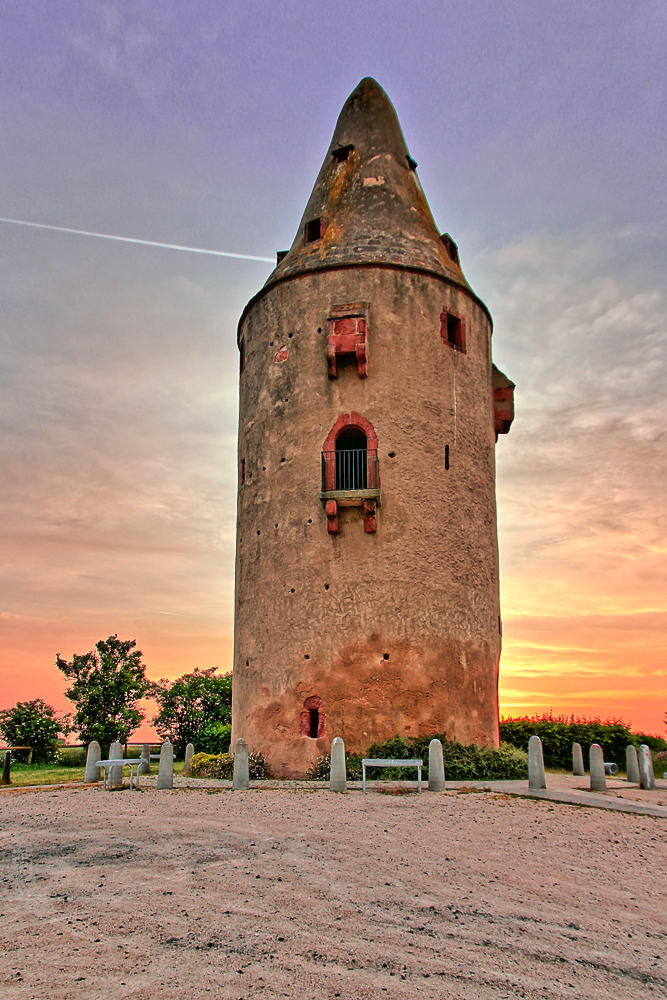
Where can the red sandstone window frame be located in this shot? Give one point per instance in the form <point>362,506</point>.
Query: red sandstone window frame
<point>350,421</point>
<point>312,704</point>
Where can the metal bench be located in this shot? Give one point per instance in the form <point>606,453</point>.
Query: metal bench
<point>132,764</point>
<point>377,762</point>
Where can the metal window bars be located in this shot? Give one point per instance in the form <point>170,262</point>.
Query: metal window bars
<point>350,469</point>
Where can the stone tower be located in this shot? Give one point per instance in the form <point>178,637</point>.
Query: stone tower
<point>367,599</point>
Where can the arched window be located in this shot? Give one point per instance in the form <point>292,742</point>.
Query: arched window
<point>350,455</point>
<point>350,470</point>
<point>351,459</point>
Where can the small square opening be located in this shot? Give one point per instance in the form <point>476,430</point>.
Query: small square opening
<point>341,153</point>
<point>314,230</point>
<point>452,331</point>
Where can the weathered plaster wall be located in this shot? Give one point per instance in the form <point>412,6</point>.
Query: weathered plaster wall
<point>396,631</point>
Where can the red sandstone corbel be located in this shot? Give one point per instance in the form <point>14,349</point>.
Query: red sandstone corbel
<point>332,517</point>
<point>331,359</point>
<point>362,359</point>
<point>370,520</point>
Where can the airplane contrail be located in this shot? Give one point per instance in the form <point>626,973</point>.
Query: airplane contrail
<point>147,243</point>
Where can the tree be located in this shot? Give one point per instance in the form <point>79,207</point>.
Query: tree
<point>191,704</point>
<point>34,724</point>
<point>107,685</point>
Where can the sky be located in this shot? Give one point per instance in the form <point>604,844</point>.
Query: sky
<point>539,130</point>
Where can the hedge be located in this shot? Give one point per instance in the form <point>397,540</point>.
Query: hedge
<point>559,732</point>
<point>205,765</point>
<point>462,763</point>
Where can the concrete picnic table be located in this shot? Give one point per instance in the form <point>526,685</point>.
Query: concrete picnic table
<point>381,762</point>
<point>133,765</point>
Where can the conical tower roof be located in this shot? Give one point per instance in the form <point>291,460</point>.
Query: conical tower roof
<point>367,206</point>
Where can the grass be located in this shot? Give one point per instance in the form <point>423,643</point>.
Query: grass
<point>56,774</point>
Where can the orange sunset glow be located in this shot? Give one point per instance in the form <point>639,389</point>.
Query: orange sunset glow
<point>540,151</point>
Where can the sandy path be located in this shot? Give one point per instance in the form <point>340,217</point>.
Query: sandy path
<point>191,894</point>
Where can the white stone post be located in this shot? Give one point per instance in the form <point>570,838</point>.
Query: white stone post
<point>646,776</point>
<point>436,767</point>
<point>116,773</point>
<point>93,754</point>
<point>596,767</point>
<point>145,767</point>
<point>536,777</point>
<point>241,780</point>
<point>338,772</point>
<point>189,754</point>
<point>165,774</point>
<point>631,765</point>
<point>577,760</point>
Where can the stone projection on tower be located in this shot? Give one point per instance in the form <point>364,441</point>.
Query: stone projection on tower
<point>367,600</point>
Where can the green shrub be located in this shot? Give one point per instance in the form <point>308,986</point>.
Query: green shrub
<point>206,765</point>
<point>462,763</point>
<point>559,732</point>
<point>191,704</point>
<point>655,743</point>
<point>34,724</point>
<point>215,739</point>
<point>221,766</point>
<point>319,769</point>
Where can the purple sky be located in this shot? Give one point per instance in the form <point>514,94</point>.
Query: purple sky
<point>539,130</point>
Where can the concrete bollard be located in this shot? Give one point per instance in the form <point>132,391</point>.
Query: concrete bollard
<point>646,776</point>
<point>338,772</point>
<point>189,754</point>
<point>165,774</point>
<point>241,780</point>
<point>631,765</point>
<point>93,754</point>
<point>7,769</point>
<point>145,766</point>
<point>536,776</point>
<point>577,760</point>
<point>596,767</point>
<point>436,767</point>
<point>116,773</point>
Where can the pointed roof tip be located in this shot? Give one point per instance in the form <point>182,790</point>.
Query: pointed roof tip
<point>369,120</point>
<point>367,87</point>
<point>367,206</point>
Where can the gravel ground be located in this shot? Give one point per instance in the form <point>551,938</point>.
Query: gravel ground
<point>302,893</point>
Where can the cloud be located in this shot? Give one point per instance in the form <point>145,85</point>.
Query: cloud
<point>583,475</point>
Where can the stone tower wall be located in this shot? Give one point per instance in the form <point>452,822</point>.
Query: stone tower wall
<point>396,631</point>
